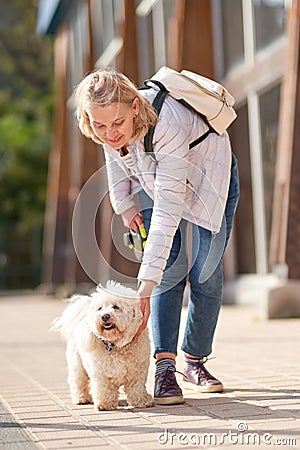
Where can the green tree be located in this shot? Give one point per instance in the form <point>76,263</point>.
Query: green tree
<point>26,93</point>
<point>26,85</point>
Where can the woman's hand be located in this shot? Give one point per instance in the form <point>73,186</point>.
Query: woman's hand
<point>132,219</point>
<point>144,294</point>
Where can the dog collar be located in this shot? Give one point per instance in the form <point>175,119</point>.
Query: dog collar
<point>108,345</point>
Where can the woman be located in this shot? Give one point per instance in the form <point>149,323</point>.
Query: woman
<point>177,186</point>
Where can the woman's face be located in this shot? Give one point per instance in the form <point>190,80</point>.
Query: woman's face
<point>113,124</point>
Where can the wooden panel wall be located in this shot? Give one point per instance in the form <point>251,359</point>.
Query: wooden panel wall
<point>56,216</point>
<point>193,43</point>
<point>293,235</point>
<point>285,232</point>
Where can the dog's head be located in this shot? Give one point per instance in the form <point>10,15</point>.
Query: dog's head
<point>115,315</point>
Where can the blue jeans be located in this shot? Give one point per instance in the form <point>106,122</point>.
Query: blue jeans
<point>205,276</point>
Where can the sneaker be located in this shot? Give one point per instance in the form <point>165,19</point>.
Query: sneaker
<point>197,374</point>
<point>166,390</point>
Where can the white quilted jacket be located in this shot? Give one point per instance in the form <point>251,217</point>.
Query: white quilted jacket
<point>190,184</point>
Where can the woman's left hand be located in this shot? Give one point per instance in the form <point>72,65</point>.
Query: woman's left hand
<point>132,219</point>
<point>144,294</point>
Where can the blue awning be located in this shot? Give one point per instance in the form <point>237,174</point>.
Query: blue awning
<point>51,13</point>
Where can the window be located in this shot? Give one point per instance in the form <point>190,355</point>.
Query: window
<point>269,108</point>
<point>232,34</point>
<point>244,235</point>
<point>153,24</point>
<point>269,18</point>
<point>243,28</point>
<point>97,29</point>
<point>78,44</point>
<point>145,46</point>
<point>107,39</point>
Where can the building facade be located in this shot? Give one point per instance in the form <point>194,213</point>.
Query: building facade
<point>251,47</point>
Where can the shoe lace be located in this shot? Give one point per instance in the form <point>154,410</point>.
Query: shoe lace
<point>168,377</point>
<point>201,371</point>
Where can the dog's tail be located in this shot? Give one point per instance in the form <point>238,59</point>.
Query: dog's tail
<point>74,313</point>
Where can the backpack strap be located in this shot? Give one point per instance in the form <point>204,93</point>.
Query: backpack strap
<point>157,105</point>
<point>201,138</point>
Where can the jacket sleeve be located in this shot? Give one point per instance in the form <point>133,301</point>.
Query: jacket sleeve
<point>171,147</point>
<point>119,184</point>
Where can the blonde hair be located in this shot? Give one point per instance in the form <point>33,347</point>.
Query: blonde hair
<point>104,87</point>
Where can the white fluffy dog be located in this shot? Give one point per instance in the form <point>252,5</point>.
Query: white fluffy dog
<point>101,353</point>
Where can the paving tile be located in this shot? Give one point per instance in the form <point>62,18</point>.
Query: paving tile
<point>282,424</point>
<point>52,424</point>
<point>46,414</point>
<point>134,430</point>
<point>44,436</point>
<point>258,394</point>
<point>33,409</point>
<point>38,403</point>
<point>109,416</point>
<point>141,438</point>
<point>79,443</point>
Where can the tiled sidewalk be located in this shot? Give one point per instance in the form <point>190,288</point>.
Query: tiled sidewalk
<point>258,362</point>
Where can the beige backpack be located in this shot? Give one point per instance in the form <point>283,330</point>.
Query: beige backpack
<point>205,96</point>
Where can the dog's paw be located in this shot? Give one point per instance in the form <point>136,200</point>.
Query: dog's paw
<point>144,402</point>
<point>106,406</point>
<point>123,403</point>
<point>82,400</point>
<point>85,402</point>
